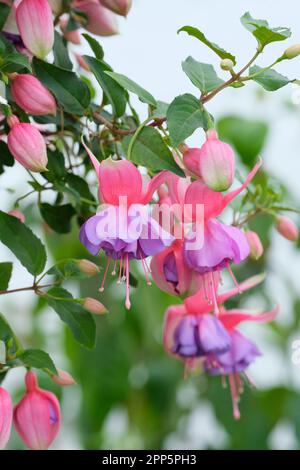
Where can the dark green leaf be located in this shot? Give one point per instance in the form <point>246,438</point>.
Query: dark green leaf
<point>149,150</point>
<point>67,269</point>
<point>130,85</point>
<point>270,80</point>
<point>8,337</point>
<point>60,52</point>
<point>184,116</point>
<point>5,275</point>
<point>56,166</point>
<point>160,110</point>
<point>196,33</point>
<point>58,217</point>
<point>262,31</point>
<point>6,157</point>
<point>115,93</point>
<point>23,243</point>
<point>80,322</point>
<point>247,136</point>
<point>38,359</point>
<point>4,12</point>
<point>203,76</point>
<point>71,92</point>
<point>15,62</point>
<point>95,46</point>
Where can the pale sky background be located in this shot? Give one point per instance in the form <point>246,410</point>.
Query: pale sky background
<point>150,52</point>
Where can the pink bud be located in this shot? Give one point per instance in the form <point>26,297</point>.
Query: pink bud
<point>31,95</point>
<point>81,62</point>
<point>35,23</point>
<point>71,36</point>
<point>94,306</point>
<point>287,228</point>
<point>256,247</point>
<point>63,378</point>
<point>100,20</point>
<point>37,415</point>
<point>216,163</point>
<point>191,160</point>
<point>28,147</point>
<point>121,7</point>
<point>16,213</point>
<point>88,267</point>
<point>6,414</point>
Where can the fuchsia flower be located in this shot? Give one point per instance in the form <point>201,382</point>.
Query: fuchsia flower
<point>100,20</point>
<point>287,228</point>
<point>6,415</point>
<point>123,227</point>
<point>37,415</point>
<point>35,23</point>
<point>31,95</point>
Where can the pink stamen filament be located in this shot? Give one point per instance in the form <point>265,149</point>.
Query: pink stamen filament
<point>234,278</point>
<point>120,271</point>
<point>215,302</point>
<point>105,275</point>
<point>145,270</point>
<point>235,396</point>
<point>127,301</point>
<point>113,273</point>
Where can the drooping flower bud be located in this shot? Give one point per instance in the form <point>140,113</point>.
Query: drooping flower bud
<point>31,95</point>
<point>88,267</point>
<point>100,20</point>
<point>216,163</point>
<point>72,36</point>
<point>35,23</point>
<point>94,306</point>
<point>287,228</point>
<point>292,51</point>
<point>37,415</point>
<point>63,378</point>
<point>121,7</point>
<point>27,145</point>
<point>18,214</point>
<point>81,62</point>
<point>256,247</point>
<point>6,415</point>
<point>226,64</point>
<point>191,160</point>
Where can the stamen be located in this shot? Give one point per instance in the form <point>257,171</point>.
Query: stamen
<point>215,302</point>
<point>234,278</point>
<point>101,289</point>
<point>148,267</point>
<point>114,271</point>
<point>127,301</point>
<point>145,270</point>
<point>120,272</point>
<point>234,396</point>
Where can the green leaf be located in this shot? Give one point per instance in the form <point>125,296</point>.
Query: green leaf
<point>60,52</point>
<point>58,217</point>
<point>5,275</point>
<point>270,80</point>
<point>161,109</point>
<point>246,135</point>
<point>95,46</point>
<point>23,243</point>
<point>79,320</point>
<point>6,157</point>
<point>9,338</point>
<point>114,92</point>
<point>2,352</point>
<point>149,150</point>
<point>203,76</point>
<point>262,31</point>
<point>14,62</point>
<point>184,116</point>
<point>4,12</point>
<point>130,85</point>
<point>71,92</point>
<point>39,360</point>
<point>55,166</point>
<point>67,269</point>
<point>196,33</point>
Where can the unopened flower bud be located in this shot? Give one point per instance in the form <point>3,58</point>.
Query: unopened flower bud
<point>256,247</point>
<point>226,64</point>
<point>31,95</point>
<point>6,415</point>
<point>88,267</point>
<point>18,214</point>
<point>72,36</point>
<point>37,415</point>
<point>121,7</point>
<point>100,20</point>
<point>287,228</point>
<point>63,378</point>
<point>82,63</point>
<point>27,145</point>
<point>94,306</point>
<point>216,163</point>
<point>292,51</point>
<point>35,23</point>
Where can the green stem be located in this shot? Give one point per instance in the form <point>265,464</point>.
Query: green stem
<point>136,134</point>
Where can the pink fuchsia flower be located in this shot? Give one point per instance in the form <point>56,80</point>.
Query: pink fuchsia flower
<point>123,228</point>
<point>6,415</point>
<point>191,159</point>
<point>287,228</point>
<point>37,415</point>
<point>100,20</point>
<point>35,23</point>
<point>31,95</point>
<point>121,7</point>
<point>27,145</point>
<point>256,247</point>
